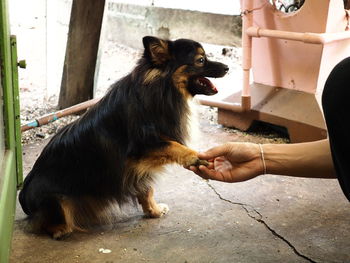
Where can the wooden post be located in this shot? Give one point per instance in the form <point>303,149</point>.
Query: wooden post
<point>346,4</point>
<point>81,52</point>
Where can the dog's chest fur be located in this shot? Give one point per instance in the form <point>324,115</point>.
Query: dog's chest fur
<point>191,124</point>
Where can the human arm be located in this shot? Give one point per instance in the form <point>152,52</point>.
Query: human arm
<point>236,162</point>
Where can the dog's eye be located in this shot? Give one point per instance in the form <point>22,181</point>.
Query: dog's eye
<point>201,60</point>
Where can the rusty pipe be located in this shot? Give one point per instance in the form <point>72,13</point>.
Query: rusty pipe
<point>51,117</point>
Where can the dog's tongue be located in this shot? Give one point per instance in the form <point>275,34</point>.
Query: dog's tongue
<point>207,83</point>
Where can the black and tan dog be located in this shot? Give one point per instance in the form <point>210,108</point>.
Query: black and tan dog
<point>113,151</point>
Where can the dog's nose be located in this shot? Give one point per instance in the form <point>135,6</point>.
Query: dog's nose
<point>226,69</point>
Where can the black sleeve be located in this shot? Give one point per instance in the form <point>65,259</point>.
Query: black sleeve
<point>335,99</point>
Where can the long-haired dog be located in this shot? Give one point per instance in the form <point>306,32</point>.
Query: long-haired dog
<point>111,153</point>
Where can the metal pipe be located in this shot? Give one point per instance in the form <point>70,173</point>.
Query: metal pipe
<point>51,117</point>
<point>245,104</point>
<point>310,38</point>
<point>247,22</point>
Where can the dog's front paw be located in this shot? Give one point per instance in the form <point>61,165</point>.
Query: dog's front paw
<point>163,208</point>
<point>159,211</point>
<point>201,162</point>
<point>195,161</point>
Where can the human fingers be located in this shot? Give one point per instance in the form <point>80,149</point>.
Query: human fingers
<point>206,173</point>
<point>214,152</point>
<point>196,170</point>
<point>193,169</point>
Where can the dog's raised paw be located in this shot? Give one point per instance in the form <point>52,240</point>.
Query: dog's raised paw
<point>195,161</point>
<point>202,162</point>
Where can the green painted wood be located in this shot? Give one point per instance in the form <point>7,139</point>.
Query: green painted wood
<point>2,134</point>
<point>6,71</point>
<point>8,171</point>
<point>8,193</point>
<point>16,110</point>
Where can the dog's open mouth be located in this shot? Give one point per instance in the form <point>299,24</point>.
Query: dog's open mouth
<point>205,86</point>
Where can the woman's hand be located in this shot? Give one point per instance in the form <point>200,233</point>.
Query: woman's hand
<point>231,162</point>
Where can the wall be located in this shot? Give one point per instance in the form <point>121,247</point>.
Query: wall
<point>127,24</point>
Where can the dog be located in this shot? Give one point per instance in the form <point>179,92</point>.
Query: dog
<point>113,151</point>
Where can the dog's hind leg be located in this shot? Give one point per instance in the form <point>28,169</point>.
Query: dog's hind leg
<point>150,206</point>
<point>58,217</point>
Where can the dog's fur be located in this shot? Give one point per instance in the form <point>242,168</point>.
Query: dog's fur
<point>113,151</point>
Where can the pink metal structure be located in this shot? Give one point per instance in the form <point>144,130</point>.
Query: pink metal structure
<point>290,56</point>
<point>321,27</point>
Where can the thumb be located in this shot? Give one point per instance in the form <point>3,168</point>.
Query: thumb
<point>212,153</point>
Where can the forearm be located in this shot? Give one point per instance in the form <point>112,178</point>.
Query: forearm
<point>311,159</point>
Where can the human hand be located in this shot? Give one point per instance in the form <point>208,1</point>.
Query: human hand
<point>231,162</point>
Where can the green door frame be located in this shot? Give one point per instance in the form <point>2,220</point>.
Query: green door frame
<point>11,164</point>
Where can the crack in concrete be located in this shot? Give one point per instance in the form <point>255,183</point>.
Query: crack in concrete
<point>257,216</point>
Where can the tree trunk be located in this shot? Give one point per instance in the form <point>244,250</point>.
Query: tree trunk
<point>81,52</point>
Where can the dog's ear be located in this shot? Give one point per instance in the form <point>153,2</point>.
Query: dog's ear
<point>157,50</point>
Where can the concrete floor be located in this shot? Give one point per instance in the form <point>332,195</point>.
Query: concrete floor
<point>268,219</point>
